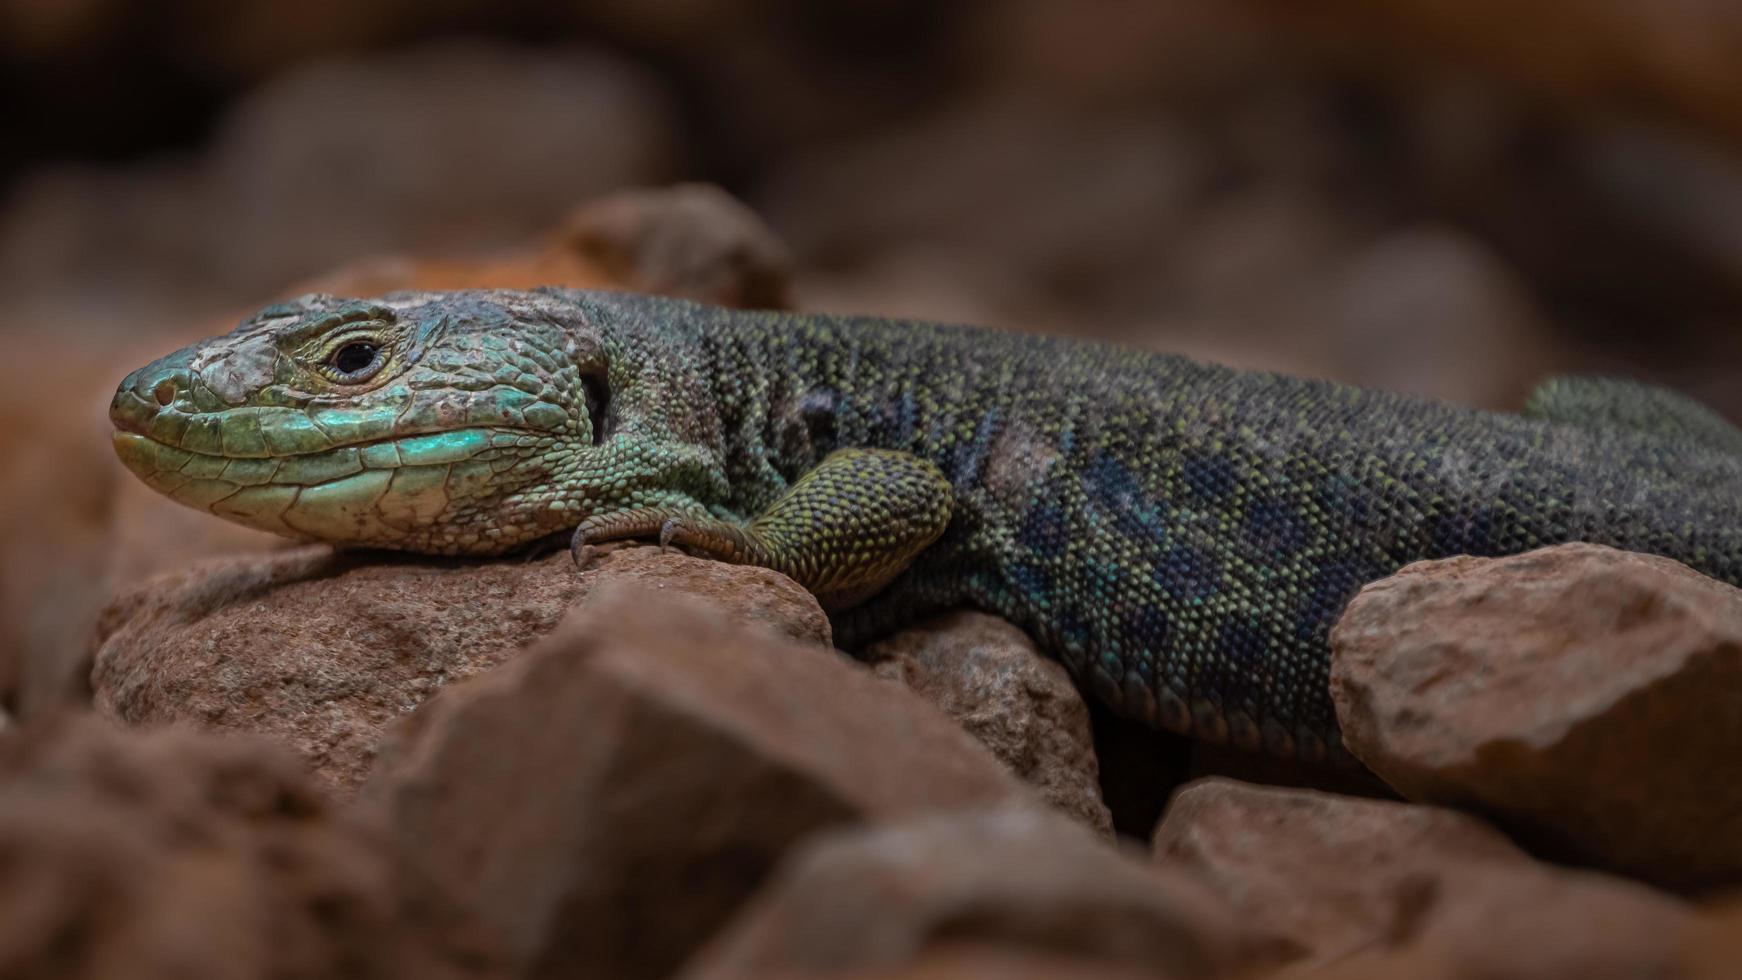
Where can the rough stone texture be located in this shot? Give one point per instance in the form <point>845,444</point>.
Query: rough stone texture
<point>1324,875</point>
<point>1332,877</point>
<point>1026,879</point>
<point>1583,695</point>
<point>609,797</point>
<point>323,650</point>
<point>1017,702</point>
<point>176,855</point>
<point>692,240</point>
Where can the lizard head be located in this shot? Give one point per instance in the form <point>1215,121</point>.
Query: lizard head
<point>441,423</point>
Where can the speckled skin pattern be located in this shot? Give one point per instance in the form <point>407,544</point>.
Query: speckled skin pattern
<point>1181,535</point>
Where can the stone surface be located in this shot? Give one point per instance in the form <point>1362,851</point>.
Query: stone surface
<point>323,650</point>
<point>982,961</point>
<point>176,855</point>
<point>1015,700</point>
<point>872,899</point>
<point>608,798</point>
<point>1585,696</point>
<point>1320,874</point>
<point>1714,945</point>
<point>691,240</point>
<point>1333,878</point>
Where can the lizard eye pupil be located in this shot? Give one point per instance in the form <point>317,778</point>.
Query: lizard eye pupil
<point>354,358</point>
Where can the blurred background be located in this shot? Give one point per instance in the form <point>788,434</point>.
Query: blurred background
<point>1444,197</point>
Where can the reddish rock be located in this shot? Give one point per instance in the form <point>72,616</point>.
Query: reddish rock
<point>609,797</point>
<point>1025,879</point>
<point>1332,878</point>
<point>1320,874</point>
<point>1582,695</point>
<point>323,650</point>
<point>1017,702</point>
<point>692,240</point>
<point>983,961</point>
<point>176,855</point>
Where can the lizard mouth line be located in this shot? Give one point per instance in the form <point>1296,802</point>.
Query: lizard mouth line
<point>162,463</point>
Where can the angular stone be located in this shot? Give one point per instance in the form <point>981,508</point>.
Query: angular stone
<point>1323,875</point>
<point>1016,701</point>
<point>177,855</point>
<point>872,900</point>
<point>1336,880</point>
<point>1582,695</point>
<point>609,797</point>
<point>323,650</point>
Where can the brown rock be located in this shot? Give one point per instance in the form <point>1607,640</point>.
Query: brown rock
<point>692,240</point>
<point>175,855</point>
<point>1714,946</point>
<point>1584,696</point>
<point>610,796</point>
<point>983,961</point>
<point>873,899</point>
<point>323,650</point>
<point>1320,874</point>
<point>1017,702</point>
<point>1332,878</point>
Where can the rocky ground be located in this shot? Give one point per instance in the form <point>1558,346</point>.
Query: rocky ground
<point>303,764</point>
<point>225,756</point>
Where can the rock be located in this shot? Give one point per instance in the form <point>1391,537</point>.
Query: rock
<point>1017,702</point>
<point>1333,878</point>
<point>323,650</point>
<point>985,961</point>
<point>1432,312</point>
<point>1714,946</point>
<point>1584,696</point>
<point>1227,761</point>
<point>688,240</point>
<point>170,855</point>
<point>609,797</point>
<point>692,240</point>
<point>1322,875</point>
<point>872,899</point>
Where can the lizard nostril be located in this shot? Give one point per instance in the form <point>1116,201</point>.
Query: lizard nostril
<point>164,392</point>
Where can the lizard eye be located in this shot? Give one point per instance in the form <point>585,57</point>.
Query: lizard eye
<point>355,361</point>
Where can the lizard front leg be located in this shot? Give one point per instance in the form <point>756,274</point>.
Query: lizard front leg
<point>844,530</point>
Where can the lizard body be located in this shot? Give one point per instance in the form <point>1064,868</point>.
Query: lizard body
<point>1181,535</point>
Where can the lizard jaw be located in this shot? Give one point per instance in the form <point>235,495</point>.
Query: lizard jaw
<point>421,493</point>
